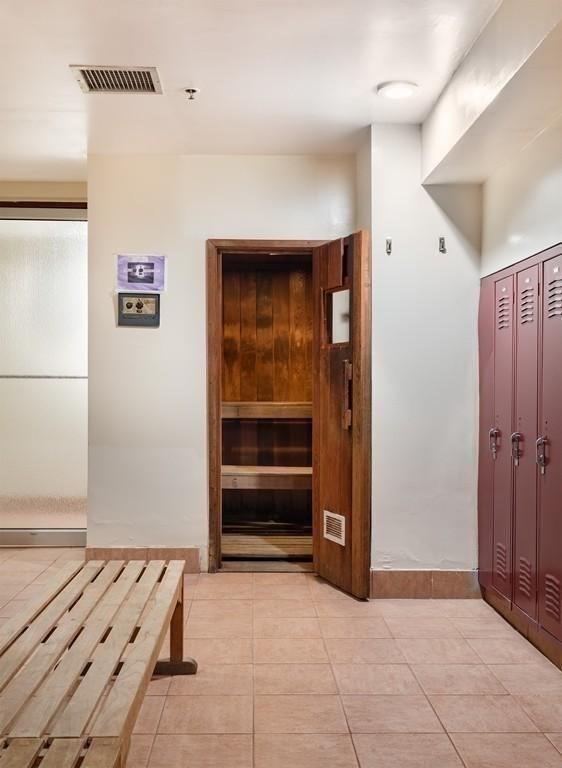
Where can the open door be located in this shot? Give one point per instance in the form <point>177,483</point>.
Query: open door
<point>342,413</point>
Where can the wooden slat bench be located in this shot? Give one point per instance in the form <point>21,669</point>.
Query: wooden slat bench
<point>76,662</point>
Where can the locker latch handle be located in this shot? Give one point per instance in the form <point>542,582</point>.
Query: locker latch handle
<point>516,451</point>
<point>542,460</point>
<point>347,383</point>
<point>493,437</point>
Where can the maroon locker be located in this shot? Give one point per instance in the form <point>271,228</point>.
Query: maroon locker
<point>549,452</point>
<point>527,327</point>
<point>500,435</point>
<point>485,462</point>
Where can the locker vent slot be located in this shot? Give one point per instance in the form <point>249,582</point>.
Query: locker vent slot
<point>501,560</point>
<point>334,527</point>
<point>552,596</point>
<point>555,297</point>
<point>525,580</point>
<point>527,305</point>
<point>504,312</point>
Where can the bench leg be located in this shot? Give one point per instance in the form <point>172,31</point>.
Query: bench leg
<point>177,665</point>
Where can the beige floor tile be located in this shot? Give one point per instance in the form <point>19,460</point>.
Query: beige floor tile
<point>294,679</point>
<point>346,609</point>
<point>290,651</point>
<point>284,609</point>
<point>436,651</point>
<point>390,714</point>
<point>435,608</point>
<point>542,678</point>
<point>149,715</point>
<point>220,650</point>
<point>281,592</point>
<point>405,750</point>
<point>299,714</point>
<point>218,626</point>
<point>206,714</point>
<point>158,686</point>
<point>354,628</point>
<point>286,628</point>
<point>482,714</point>
<point>510,750</point>
<point>139,751</point>
<point>457,679</point>
<point>394,679</point>
<point>223,591</point>
<point>322,590</point>
<point>422,628</point>
<point>514,650</point>
<point>556,739</point>
<point>325,750</point>
<point>228,579</point>
<point>215,680</point>
<point>276,579</point>
<point>362,651</point>
<point>207,751</point>
<point>490,627</point>
<point>212,609</point>
<point>544,711</point>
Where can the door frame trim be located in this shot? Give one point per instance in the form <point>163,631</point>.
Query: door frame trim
<point>215,250</point>
<point>361,331</point>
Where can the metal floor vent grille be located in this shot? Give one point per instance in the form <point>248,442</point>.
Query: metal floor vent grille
<point>334,527</point>
<point>102,79</point>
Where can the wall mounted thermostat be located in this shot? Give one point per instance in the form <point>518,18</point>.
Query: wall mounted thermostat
<point>140,309</point>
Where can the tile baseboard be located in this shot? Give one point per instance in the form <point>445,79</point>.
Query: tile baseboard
<point>425,584</point>
<point>191,555</point>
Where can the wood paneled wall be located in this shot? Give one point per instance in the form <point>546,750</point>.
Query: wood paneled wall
<point>267,335</point>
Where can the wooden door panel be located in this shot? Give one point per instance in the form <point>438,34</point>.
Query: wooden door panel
<point>550,483</point>
<point>503,414</point>
<point>341,420</point>
<point>525,476</point>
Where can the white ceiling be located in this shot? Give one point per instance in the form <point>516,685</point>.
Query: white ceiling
<point>276,76</point>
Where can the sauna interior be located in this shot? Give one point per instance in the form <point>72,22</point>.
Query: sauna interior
<point>267,408</point>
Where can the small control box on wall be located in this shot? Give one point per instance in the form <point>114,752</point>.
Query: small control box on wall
<point>139,309</point>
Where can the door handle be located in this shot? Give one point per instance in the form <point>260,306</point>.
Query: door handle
<point>493,436</point>
<point>516,451</point>
<point>542,459</point>
<point>347,383</point>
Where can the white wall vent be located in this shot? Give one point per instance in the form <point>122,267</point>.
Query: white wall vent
<point>334,527</point>
<point>103,79</point>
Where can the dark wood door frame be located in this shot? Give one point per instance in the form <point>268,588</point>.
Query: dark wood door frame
<point>215,250</point>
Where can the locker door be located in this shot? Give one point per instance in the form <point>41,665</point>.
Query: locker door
<point>500,436</point>
<point>486,321</point>
<point>549,452</point>
<point>523,440</point>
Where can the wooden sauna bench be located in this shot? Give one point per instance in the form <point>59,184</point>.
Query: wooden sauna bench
<point>75,663</point>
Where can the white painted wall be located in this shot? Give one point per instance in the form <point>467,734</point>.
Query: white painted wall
<point>147,401</point>
<point>522,204</point>
<point>43,417</point>
<point>506,43</point>
<point>425,409</point>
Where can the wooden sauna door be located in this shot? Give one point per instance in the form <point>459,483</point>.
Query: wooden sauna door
<point>342,413</point>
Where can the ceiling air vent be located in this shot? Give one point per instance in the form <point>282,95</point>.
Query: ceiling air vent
<point>99,79</point>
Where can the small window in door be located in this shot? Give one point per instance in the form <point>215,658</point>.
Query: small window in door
<point>338,315</point>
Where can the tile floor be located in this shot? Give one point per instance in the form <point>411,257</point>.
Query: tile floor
<point>293,673</point>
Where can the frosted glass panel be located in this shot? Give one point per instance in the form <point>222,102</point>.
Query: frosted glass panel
<point>340,316</point>
<point>43,298</point>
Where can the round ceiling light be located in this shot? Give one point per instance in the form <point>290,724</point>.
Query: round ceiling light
<point>396,89</point>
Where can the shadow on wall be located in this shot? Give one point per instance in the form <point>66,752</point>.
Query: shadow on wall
<point>462,205</point>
